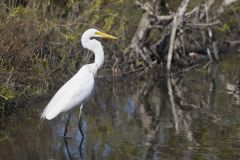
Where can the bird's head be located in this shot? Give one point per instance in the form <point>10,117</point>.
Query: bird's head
<point>94,33</point>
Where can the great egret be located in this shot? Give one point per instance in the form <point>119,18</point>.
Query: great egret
<point>77,90</point>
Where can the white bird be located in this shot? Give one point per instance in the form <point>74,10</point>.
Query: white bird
<point>77,90</point>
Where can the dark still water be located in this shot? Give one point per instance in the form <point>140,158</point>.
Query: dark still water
<point>193,116</point>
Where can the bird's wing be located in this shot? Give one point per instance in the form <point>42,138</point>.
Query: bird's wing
<point>74,92</point>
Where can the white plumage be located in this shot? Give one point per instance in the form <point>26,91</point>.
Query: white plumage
<point>71,94</point>
<point>77,90</point>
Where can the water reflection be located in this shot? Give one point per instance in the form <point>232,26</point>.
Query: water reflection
<point>193,116</point>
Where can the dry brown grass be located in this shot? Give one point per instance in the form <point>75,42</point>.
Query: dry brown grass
<point>39,40</point>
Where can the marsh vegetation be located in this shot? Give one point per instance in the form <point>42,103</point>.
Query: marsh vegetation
<point>143,109</point>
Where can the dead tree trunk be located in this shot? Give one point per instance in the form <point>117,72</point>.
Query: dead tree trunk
<point>149,18</point>
<point>183,35</point>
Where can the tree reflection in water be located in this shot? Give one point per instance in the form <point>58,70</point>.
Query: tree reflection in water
<point>191,116</point>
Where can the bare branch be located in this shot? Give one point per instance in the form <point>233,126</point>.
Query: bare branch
<point>204,24</point>
<point>176,21</point>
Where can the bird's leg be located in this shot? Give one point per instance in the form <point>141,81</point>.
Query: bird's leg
<point>80,112</point>
<point>80,129</point>
<point>65,131</point>
<point>79,123</point>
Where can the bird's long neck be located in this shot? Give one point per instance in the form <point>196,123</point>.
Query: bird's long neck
<point>96,47</point>
<point>99,55</point>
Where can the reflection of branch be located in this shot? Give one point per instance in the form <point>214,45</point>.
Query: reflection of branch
<point>173,105</point>
<point>234,90</point>
<point>150,111</point>
<point>212,73</point>
<point>149,117</point>
<point>181,115</point>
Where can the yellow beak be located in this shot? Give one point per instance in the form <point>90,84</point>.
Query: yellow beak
<point>105,35</point>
